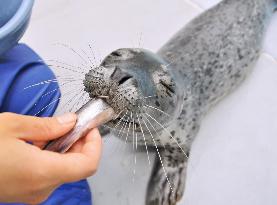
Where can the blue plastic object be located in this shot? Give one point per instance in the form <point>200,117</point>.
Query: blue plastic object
<point>14,18</point>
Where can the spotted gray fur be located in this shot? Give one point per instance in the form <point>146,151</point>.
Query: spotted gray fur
<point>201,64</point>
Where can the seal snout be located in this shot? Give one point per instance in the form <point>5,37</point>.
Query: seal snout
<point>118,86</point>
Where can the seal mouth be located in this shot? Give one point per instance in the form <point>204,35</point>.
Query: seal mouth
<point>120,123</point>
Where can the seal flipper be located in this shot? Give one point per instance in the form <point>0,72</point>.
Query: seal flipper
<point>167,182</point>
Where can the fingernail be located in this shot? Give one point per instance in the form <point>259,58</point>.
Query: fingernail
<point>67,118</point>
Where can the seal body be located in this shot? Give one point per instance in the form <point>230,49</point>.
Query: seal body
<point>214,53</point>
<point>164,96</point>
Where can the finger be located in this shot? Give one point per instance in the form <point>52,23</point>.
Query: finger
<point>78,146</point>
<point>36,128</point>
<point>91,141</point>
<point>40,144</point>
<point>74,166</point>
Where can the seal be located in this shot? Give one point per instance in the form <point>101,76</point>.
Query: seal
<point>161,98</point>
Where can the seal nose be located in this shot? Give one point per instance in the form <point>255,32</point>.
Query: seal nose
<point>120,76</point>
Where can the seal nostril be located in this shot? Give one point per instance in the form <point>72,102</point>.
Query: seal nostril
<point>124,79</point>
<point>120,76</point>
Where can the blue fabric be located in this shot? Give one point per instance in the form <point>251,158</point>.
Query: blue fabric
<point>20,68</point>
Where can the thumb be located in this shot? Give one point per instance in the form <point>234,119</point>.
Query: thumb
<point>36,128</point>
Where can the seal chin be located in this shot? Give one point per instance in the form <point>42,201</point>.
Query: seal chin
<point>138,85</point>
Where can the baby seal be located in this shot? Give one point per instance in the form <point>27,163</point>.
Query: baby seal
<point>161,98</point>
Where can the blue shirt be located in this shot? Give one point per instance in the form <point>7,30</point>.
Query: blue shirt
<point>20,68</point>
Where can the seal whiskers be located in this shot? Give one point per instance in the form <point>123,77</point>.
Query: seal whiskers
<point>77,97</point>
<point>155,108</point>
<point>169,134</point>
<point>143,139</point>
<point>74,51</point>
<point>155,144</point>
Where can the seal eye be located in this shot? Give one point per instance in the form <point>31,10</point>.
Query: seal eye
<point>168,87</point>
<point>116,53</point>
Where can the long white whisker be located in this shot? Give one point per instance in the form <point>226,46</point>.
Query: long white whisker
<point>125,124</point>
<point>133,133</point>
<point>81,101</point>
<point>100,58</point>
<point>121,132</point>
<point>127,134</point>
<point>136,138</point>
<point>48,93</point>
<point>121,119</point>
<point>154,130</point>
<point>77,100</point>
<point>69,79</point>
<point>169,134</point>
<point>144,139</point>
<point>149,106</point>
<point>66,68</point>
<point>118,135</point>
<point>118,114</point>
<point>140,40</point>
<point>88,57</point>
<point>71,99</point>
<point>55,80</point>
<point>135,149</point>
<point>160,158</point>
<point>128,128</point>
<point>93,54</point>
<point>150,97</point>
<point>66,65</point>
<point>72,84</point>
<point>114,128</point>
<point>52,102</point>
<point>57,89</point>
<point>73,50</point>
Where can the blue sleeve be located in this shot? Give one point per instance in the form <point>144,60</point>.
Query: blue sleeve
<point>21,68</point>
<point>21,71</point>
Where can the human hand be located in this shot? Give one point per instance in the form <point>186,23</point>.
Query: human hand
<point>29,174</point>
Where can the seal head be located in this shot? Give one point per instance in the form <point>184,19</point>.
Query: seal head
<point>136,82</point>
